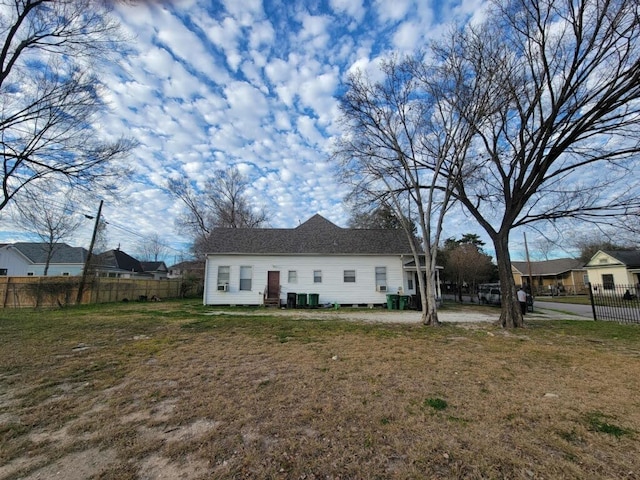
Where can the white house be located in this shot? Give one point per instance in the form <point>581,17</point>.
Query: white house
<point>255,266</point>
<point>614,268</point>
<point>29,259</point>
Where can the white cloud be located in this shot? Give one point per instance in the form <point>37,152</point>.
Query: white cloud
<point>353,8</point>
<point>247,106</point>
<point>314,33</point>
<point>393,11</point>
<point>407,36</point>
<point>245,11</point>
<point>186,45</point>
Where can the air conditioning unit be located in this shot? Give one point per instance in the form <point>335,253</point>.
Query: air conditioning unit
<point>381,288</point>
<point>223,287</point>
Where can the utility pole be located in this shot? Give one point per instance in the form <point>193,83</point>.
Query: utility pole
<point>85,270</point>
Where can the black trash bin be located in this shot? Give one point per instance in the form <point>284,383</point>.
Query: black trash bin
<point>291,300</point>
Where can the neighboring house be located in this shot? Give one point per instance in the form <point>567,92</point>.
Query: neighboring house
<point>118,264</point>
<point>29,259</point>
<point>190,268</point>
<point>562,275</point>
<point>158,270</point>
<point>615,268</point>
<point>256,266</point>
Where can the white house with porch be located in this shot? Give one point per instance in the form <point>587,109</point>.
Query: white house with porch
<point>266,266</point>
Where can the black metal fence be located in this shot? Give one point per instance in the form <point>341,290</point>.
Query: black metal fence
<point>617,303</point>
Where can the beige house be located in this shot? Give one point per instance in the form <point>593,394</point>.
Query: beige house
<point>612,269</point>
<point>553,277</point>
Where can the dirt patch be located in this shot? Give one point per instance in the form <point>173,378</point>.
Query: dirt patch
<point>77,465</point>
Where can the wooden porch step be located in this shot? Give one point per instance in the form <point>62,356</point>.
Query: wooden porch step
<point>272,302</point>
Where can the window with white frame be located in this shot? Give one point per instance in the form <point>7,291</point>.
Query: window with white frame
<point>349,276</point>
<point>245,278</point>
<point>293,276</point>
<point>410,283</point>
<point>381,277</point>
<point>223,275</point>
<point>317,276</point>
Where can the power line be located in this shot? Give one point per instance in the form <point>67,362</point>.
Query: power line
<point>79,209</point>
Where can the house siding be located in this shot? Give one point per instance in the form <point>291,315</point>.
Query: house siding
<point>17,266</point>
<point>333,289</point>
<point>604,264</point>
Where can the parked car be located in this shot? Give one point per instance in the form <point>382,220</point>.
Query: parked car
<point>489,294</point>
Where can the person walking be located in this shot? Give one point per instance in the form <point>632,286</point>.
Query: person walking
<point>522,298</point>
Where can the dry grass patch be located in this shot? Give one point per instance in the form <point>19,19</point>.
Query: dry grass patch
<point>165,388</point>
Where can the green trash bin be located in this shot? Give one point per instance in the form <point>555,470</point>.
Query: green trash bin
<point>403,302</point>
<point>392,301</point>
<point>314,300</point>
<point>302,300</point>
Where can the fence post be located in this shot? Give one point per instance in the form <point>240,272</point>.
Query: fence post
<point>593,305</point>
<point>6,291</point>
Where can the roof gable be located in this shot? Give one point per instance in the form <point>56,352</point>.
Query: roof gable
<point>153,266</point>
<point>316,236</point>
<point>119,260</point>
<point>630,258</point>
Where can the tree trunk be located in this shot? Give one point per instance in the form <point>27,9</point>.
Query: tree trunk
<point>429,302</point>
<point>511,315</point>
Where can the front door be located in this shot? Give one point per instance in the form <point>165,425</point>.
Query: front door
<point>273,284</point>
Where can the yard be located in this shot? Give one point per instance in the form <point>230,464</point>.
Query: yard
<point>166,390</point>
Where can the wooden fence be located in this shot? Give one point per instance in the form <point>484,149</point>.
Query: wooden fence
<point>18,292</point>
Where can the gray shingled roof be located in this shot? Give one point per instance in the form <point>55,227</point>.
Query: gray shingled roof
<point>63,253</point>
<point>549,267</point>
<point>153,266</point>
<point>316,236</point>
<point>119,260</point>
<point>631,258</point>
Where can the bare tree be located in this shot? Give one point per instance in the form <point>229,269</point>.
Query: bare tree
<point>378,217</point>
<point>559,84</point>
<point>152,248</point>
<point>588,247</point>
<point>222,202</point>
<point>394,154</point>
<point>50,95</point>
<point>53,222</point>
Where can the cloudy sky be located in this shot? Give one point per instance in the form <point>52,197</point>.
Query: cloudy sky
<point>253,83</point>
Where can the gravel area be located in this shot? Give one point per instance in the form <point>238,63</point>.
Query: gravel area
<point>395,316</point>
<point>399,316</point>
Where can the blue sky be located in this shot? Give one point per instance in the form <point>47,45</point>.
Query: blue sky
<point>251,83</point>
